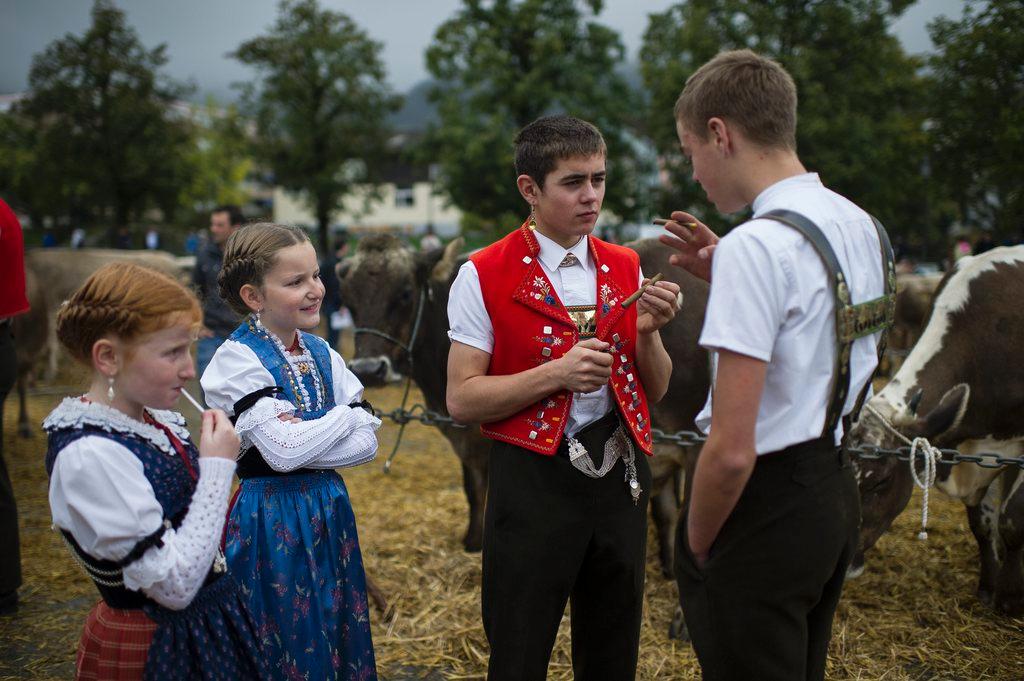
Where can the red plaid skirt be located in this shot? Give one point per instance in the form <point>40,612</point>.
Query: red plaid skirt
<point>114,644</point>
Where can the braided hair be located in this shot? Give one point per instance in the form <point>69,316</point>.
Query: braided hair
<point>124,300</point>
<point>249,254</point>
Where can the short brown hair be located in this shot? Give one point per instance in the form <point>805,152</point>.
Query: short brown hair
<point>125,300</point>
<point>745,89</point>
<point>249,254</point>
<point>542,144</point>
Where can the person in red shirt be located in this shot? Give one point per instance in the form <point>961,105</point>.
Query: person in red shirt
<point>12,302</point>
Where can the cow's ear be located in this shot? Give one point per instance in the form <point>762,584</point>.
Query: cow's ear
<point>442,269</point>
<point>342,268</point>
<point>944,417</point>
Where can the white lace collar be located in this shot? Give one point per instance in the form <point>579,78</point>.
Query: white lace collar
<point>75,412</point>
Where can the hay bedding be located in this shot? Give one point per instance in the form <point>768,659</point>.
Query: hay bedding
<point>912,615</point>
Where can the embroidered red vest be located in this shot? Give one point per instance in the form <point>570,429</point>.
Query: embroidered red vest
<point>532,326</point>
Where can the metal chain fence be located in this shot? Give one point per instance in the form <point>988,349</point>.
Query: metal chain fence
<point>688,438</point>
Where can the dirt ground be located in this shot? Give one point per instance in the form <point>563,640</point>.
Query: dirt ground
<point>912,615</point>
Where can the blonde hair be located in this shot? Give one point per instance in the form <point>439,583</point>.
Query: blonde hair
<point>125,300</point>
<point>747,90</point>
<point>249,254</point>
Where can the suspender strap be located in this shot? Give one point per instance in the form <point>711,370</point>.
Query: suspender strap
<point>852,321</point>
<point>889,263</point>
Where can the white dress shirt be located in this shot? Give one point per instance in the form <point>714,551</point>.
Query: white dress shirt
<point>576,285</point>
<point>343,437</point>
<point>771,299</point>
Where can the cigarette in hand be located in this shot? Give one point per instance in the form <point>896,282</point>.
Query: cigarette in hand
<point>663,222</point>
<point>195,403</point>
<point>640,291</point>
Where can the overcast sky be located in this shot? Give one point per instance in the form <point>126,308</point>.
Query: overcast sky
<point>200,33</point>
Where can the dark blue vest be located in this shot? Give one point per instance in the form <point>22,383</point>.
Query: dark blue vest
<point>172,485</point>
<point>252,463</point>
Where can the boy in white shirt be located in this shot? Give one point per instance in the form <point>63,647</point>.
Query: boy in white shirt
<point>773,515</point>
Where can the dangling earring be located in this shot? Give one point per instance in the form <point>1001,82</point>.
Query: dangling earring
<point>533,217</point>
<point>110,388</point>
<point>256,316</point>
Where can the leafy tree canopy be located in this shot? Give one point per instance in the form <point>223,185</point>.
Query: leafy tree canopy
<point>320,102</point>
<point>501,64</point>
<point>861,118</point>
<point>977,113</point>
<point>101,138</point>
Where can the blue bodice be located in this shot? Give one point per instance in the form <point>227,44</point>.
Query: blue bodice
<point>319,387</point>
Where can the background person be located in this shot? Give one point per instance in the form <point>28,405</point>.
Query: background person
<point>218,318</point>
<point>12,303</point>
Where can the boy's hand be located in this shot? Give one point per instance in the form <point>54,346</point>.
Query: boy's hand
<point>218,437</point>
<point>696,245</point>
<point>657,306</point>
<point>587,366</point>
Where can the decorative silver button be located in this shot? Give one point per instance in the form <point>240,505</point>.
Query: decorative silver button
<point>604,268</point>
<point>546,352</point>
<point>615,337</point>
<point>527,259</point>
<point>533,434</point>
<point>547,329</point>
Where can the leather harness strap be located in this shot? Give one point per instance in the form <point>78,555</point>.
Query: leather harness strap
<point>852,321</point>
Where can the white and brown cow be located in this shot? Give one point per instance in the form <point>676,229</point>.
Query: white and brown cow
<point>962,386</point>
<point>382,284</point>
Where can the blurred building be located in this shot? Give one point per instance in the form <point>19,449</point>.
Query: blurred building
<point>405,201</point>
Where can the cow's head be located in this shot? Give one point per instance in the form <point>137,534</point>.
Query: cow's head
<point>382,285</point>
<point>885,484</point>
<point>960,387</point>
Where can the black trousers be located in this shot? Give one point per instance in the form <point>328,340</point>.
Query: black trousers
<point>762,605</point>
<point>552,534</point>
<point>10,556</point>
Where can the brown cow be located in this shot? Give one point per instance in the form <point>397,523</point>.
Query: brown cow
<point>966,378</point>
<point>30,335</point>
<point>914,293</point>
<point>383,283</point>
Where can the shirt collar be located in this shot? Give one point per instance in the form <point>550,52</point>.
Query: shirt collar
<point>551,254</point>
<point>805,180</point>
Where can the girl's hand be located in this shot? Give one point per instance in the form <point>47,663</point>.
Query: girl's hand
<point>218,438</point>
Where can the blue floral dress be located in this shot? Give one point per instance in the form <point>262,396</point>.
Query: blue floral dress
<point>291,537</point>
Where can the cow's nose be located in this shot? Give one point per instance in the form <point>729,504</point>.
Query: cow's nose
<point>371,371</point>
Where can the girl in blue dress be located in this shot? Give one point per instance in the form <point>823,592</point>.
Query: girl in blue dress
<point>291,535</point>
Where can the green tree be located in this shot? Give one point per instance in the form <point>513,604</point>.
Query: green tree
<point>105,142</point>
<point>501,65</point>
<point>321,102</point>
<point>861,113</point>
<point>977,112</point>
<point>220,159</point>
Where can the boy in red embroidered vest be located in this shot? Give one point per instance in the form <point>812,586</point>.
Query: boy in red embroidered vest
<point>545,356</point>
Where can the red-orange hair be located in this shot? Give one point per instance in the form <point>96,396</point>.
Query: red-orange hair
<point>125,300</point>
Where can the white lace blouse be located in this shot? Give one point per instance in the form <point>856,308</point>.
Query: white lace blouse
<point>101,496</point>
<point>343,437</point>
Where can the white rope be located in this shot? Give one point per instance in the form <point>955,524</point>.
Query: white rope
<point>931,455</point>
